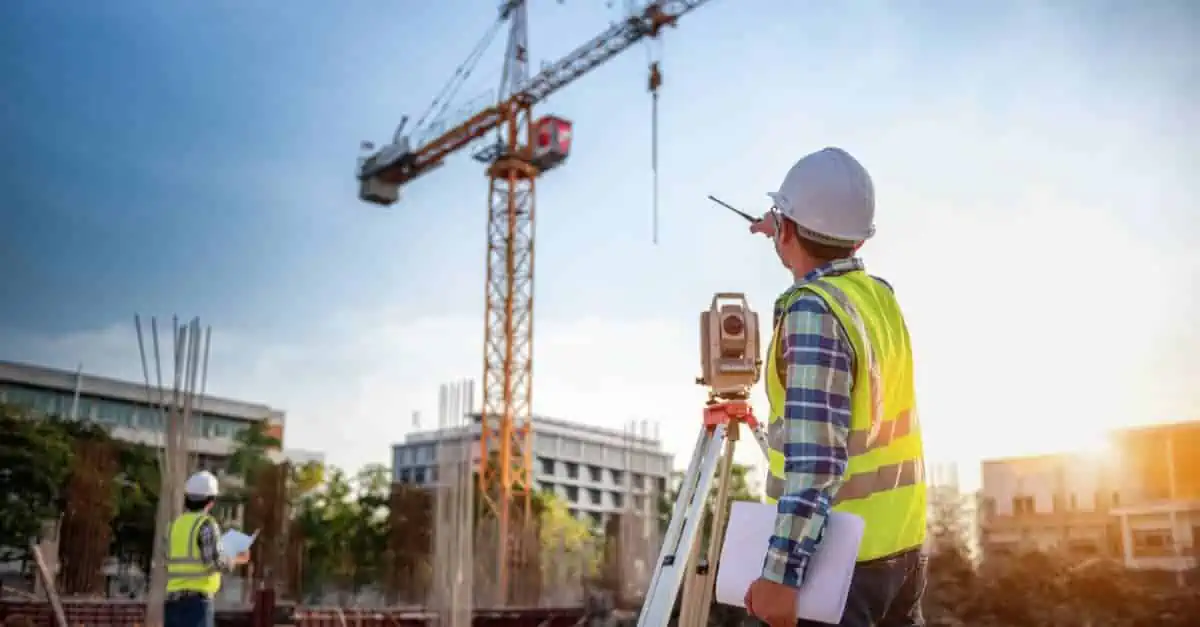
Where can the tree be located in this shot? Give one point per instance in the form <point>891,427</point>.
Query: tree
<point>252,447</point>
<point>367,527</point>
<point>952,574</point>
<point>138,485</point>
<point>304,479</point>
<point>739,490</point>
<point>558,528</point>
<point>35,457</point>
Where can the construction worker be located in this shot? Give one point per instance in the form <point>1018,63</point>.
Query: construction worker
<point>194,559</point>
<point>843,425</point>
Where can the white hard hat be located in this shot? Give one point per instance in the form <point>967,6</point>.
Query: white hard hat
<point>829,195</point>
<point>202,484</point>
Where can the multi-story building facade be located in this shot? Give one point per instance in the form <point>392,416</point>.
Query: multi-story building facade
<point>1138,501</point>
<point>596,471</point>
<point>123,408</point>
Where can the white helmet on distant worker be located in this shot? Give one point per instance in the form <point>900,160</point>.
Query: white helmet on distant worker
<point>201,485</point>
<point>830,196</point>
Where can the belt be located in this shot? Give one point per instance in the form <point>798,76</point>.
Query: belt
<point>187,594</point>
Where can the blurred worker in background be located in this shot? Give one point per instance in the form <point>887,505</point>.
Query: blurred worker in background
<point>843,425</point>
<point>194,559</point>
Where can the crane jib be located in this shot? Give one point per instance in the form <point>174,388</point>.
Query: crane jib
<point>608,44</point>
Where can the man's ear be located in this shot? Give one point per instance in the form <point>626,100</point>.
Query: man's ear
<point>787,231</point>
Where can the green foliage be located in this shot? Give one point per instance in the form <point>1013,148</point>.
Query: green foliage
<point>137,500</point>
<point>344,525</point>
<point>35,457</point>
<point>35,462</point>
<point>251,448</point>
<point>739,490</point>
<point>558,526</point>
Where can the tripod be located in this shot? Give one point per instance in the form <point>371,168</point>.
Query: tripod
<point>723,418</point>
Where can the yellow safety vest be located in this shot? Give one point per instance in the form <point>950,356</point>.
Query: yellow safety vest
<point>884,481</point>
<point>186,571</point>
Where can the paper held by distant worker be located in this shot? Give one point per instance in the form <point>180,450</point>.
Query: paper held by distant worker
<point>235,543</point>
<point>826,586</point>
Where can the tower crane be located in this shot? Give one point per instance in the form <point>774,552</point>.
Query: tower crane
<point>522,150</point>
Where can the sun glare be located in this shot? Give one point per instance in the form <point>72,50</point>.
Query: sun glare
<point>1096,445</point>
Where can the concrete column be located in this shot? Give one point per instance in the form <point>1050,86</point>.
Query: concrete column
<point>1126,540</point>
<point>48,546</point>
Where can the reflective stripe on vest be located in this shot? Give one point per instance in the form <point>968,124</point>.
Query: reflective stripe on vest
<point>186,570</point>
<point>884,480</point>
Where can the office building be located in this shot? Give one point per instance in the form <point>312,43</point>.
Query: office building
<point>594,470</point>
<point>1137,501</point>
<point>123,407</point>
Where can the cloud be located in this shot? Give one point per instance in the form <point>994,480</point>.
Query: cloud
<point>351,386</point>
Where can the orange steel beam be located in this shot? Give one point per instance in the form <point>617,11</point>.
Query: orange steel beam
<point>650,23</point>
<point>508,339</point>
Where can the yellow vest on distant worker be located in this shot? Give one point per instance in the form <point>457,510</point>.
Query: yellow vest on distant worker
<point>186,571</point>
<point>884,481</point>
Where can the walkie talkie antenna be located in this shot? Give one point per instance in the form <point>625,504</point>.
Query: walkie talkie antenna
<point>748,217</point>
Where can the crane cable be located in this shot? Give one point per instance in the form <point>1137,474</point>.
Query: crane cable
<point>450,89</point>
<point>655,81</point>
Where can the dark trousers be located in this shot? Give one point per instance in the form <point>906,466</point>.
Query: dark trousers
<point>191,610</point>
<point>885,593</point>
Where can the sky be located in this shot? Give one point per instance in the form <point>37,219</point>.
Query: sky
<point>1035,166</point>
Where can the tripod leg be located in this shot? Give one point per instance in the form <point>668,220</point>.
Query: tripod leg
<point>698,587</point>
<point>670,541</point>
<point>760,436</point>
<point>683,530</point>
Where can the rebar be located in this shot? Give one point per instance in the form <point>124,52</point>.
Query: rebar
<point>174,413</point>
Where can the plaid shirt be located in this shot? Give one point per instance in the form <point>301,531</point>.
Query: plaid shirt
<point>208,540</point>
<point>816,367</point>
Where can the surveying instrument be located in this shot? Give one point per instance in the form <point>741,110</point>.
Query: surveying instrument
<point>730,366</point>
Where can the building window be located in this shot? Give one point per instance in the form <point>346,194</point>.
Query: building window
<point>572,470</point>
<point>549,488</point>
<point>405,475</point>
<point>597,519</point>
<point>595,473</point>
<point>660,484</point>
<point>639,502</point>
<point>573,494</point>
<point>1023,505</point>
<point>419,475</point>
<point>1083,548</point>
<point>638,480</point>
<point>617,500</point>
<point>594,496</point>
<point>1152,543</point>
<point>547,465</point>
<point>617,477</point>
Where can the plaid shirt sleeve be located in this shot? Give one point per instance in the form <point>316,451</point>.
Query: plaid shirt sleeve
<point>209,542</point>
<point>819,365</point>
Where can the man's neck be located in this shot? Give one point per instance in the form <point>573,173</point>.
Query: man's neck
<point>801,270</point>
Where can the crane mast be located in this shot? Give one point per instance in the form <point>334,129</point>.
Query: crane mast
<point>522,150</point>
<point>505,416</point>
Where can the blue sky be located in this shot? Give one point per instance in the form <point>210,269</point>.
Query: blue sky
<point>1035,165</point>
